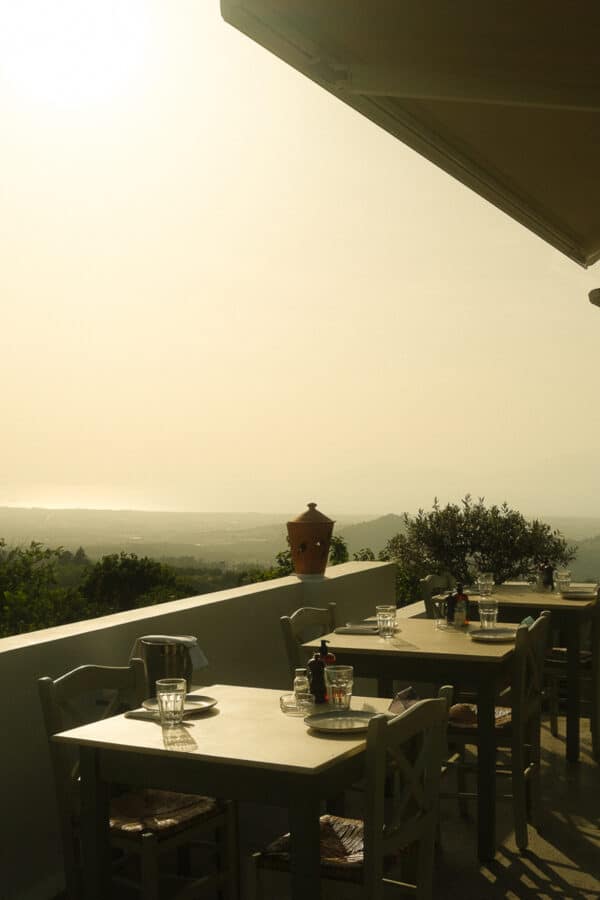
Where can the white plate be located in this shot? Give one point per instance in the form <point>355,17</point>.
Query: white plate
<point>494,635</point>
<point>194,703</point>
<point>342,722</point>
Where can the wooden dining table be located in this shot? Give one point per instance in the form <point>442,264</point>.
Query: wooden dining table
<point>421,652</point>
<point>244,749</point>
<point>568,615</point>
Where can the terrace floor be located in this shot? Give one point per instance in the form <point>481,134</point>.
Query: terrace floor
<point>563,861</point>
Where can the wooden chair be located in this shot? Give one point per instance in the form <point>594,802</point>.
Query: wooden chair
<point>517,730</point>
<point>432,585</point>
<point>144,822</point>
<point>555,670</point>
<point>360,856</point>
<point>305,624</point>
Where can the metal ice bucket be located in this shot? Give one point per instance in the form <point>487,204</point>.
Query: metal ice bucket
<point>165,660</point>
<point>168,656</point>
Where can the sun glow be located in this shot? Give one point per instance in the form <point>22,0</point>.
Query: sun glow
<point>72,53</point>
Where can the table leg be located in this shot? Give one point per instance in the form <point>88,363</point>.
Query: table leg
<point>305,847</point>
<point>486,774</point>
<point>573,689</point>
<point>95,849</point>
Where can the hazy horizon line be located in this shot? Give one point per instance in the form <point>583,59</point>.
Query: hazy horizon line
<point>245,512</point>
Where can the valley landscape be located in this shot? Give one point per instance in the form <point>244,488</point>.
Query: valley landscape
<point>231,539</point>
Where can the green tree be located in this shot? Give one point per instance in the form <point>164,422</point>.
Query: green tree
<point>469,537</point>
<point>338,551</point>
<point>365,554</point>
<point>30,595</point>
<point>119,579</point>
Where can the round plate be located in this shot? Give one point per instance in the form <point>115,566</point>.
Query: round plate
<point>494,635</point>
<point>194,703</point>
<point>342,722</point>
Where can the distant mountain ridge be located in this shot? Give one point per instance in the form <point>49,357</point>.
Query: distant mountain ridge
<point>373,534</point>
<point>232,538</point>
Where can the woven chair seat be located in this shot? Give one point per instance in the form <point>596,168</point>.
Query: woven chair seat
<point>342,848</point>
<point>463,717</point>
<point>559,655</point>
<point>158,811</point>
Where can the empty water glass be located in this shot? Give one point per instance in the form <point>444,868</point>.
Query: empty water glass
<point>305,702</point>
<point>562,580</point>
<point>339,681</point>
<point>485,584</point>
<point>170,694</point>
<point>440,612</point>
<point>488,612</point>
<point>386,620</point>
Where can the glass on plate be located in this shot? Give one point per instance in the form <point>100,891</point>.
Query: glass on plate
<point>488,612</point>
<point>170,695</point>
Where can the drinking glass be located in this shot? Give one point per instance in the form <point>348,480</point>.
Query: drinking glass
<point>485,584</point>
<point>305,702</point>
<point>440,612</point>
<point>488,612</point>
<point>170,694</point>
<point>386,620</point>
<point>562,580</point>
<point>339,681</point>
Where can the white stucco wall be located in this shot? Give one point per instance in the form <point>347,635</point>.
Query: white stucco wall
<point>238,630</point>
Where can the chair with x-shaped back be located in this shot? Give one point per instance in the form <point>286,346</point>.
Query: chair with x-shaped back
<point>360,858</point>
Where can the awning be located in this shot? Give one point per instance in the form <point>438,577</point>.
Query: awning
<point>503,96</point>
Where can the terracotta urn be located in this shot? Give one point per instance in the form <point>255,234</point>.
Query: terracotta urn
<point>309,537</point>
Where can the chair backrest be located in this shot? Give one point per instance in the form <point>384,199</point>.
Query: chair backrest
<point>434,584</point>
<point>413,743</point>
<point>85,694</point>
<point>528,671</point>
<point>304,624</point>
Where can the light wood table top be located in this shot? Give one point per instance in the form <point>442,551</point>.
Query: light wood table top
<point>419,638</point>
<point>516,595</point>
<point>246,727</point>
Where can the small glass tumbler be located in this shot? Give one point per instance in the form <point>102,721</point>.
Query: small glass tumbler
<point>386,620</point>
<point>305,702</point>
<point>339,681</point>
<point>170,694</point>
<point>562,580</point>
<point>485,584</point>
<point>440,612</point>
<point>488,612</point>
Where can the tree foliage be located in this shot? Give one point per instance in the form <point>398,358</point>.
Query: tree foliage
<point>470,537</point>
<point>338,551</point>
<point>365,554</point>
<point>119,579</point>
<point>30,594</point>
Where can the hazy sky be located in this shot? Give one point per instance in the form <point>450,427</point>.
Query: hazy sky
<point>222,289</point>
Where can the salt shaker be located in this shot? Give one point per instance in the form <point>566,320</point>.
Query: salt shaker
<point>301,682</point>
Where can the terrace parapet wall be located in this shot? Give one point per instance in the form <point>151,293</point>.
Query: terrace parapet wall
<point>238,630</point>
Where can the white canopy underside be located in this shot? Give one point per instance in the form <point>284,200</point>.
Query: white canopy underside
<point>503,96</point>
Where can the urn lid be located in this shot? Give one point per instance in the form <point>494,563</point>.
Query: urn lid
<point>313,516</point>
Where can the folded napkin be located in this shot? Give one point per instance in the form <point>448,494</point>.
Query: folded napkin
<point>357,629</point>
<point>528,620</point>
<point>403,701</point>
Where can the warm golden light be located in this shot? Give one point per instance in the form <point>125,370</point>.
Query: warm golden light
<point>70,53</point>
